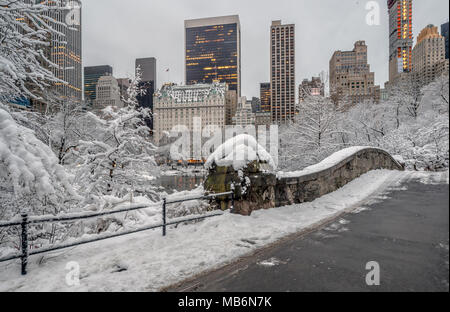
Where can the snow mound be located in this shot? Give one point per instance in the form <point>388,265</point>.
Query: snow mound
<point>239,152</point>
<point>327,163</point>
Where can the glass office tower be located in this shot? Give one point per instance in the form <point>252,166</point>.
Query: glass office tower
<point>66,49</point>
<point>265,96</point>
<point>212,51</point>
<point>400,38</point>
<point>91,76</point>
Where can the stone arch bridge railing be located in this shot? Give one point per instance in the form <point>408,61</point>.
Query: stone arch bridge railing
<point>264,190</point>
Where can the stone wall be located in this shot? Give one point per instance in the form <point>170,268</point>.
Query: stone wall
<point>265,190</point>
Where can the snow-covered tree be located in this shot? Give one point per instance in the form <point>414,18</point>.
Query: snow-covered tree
<point>412,123</point>
<point>60,126</point>
<point>30,173</point>
<point>313,135</point>
<point>436,95</point>
<point>119,161</point>
<point>407,94</point>
<point>25,29</point>
<point>30,176</point>
<point>368,122</point>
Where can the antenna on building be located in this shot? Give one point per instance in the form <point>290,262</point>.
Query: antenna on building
<point>168,74</point>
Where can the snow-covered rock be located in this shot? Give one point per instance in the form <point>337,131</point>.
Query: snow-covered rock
<point>238,152</point>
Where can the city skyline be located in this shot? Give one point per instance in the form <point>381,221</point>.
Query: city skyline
<point>314,47</point>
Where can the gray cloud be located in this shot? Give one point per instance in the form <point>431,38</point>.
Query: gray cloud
<point>116,32</point>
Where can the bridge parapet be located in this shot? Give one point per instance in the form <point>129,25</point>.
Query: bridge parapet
<point>264,190</point>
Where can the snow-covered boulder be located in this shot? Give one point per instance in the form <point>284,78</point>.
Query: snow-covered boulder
<point>242,165</point>
<point>238,152</point>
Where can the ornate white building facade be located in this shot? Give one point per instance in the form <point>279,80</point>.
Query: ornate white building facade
<point>178,105</point>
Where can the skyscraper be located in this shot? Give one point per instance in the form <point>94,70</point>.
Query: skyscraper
<point>65,51</point>
<point>428,55</point>
<point>350,76</point>
<point>400,38</point>
<point>148,69</point>
<point>91,77</point>
<point>282,71</point>
<point>148,83</point>
<point>231,101</point>
<point>244,115</point>
<point>444,32</point>
<point>213,51</point>
<point>264,93</point>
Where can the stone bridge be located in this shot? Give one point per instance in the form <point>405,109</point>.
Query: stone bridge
<point>256,188</point>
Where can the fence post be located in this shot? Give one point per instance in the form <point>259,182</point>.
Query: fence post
<point>24,243</point>
<point>232,202</point>
<point>232,188</point>
<point>164,216</point>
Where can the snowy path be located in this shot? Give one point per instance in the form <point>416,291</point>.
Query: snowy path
<point>148,262</point>
<point>333,257</point>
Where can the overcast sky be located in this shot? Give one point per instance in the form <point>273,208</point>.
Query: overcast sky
<point>116,32</point>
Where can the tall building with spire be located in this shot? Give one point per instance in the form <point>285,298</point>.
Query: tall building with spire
<point>400,38</point>
<point>213,51</point>
<point>282,71</point>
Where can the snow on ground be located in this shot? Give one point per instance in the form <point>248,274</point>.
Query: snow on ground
<point>193,171</point>
<point>148,262</point>
<point>431,178</point>
<point>270,262</point>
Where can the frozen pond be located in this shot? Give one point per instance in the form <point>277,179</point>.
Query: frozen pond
<point>181,182</point>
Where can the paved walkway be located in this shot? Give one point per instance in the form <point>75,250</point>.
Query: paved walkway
<point>407,233</point>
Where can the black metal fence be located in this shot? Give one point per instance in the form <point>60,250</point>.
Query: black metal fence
<point>26,220</point>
